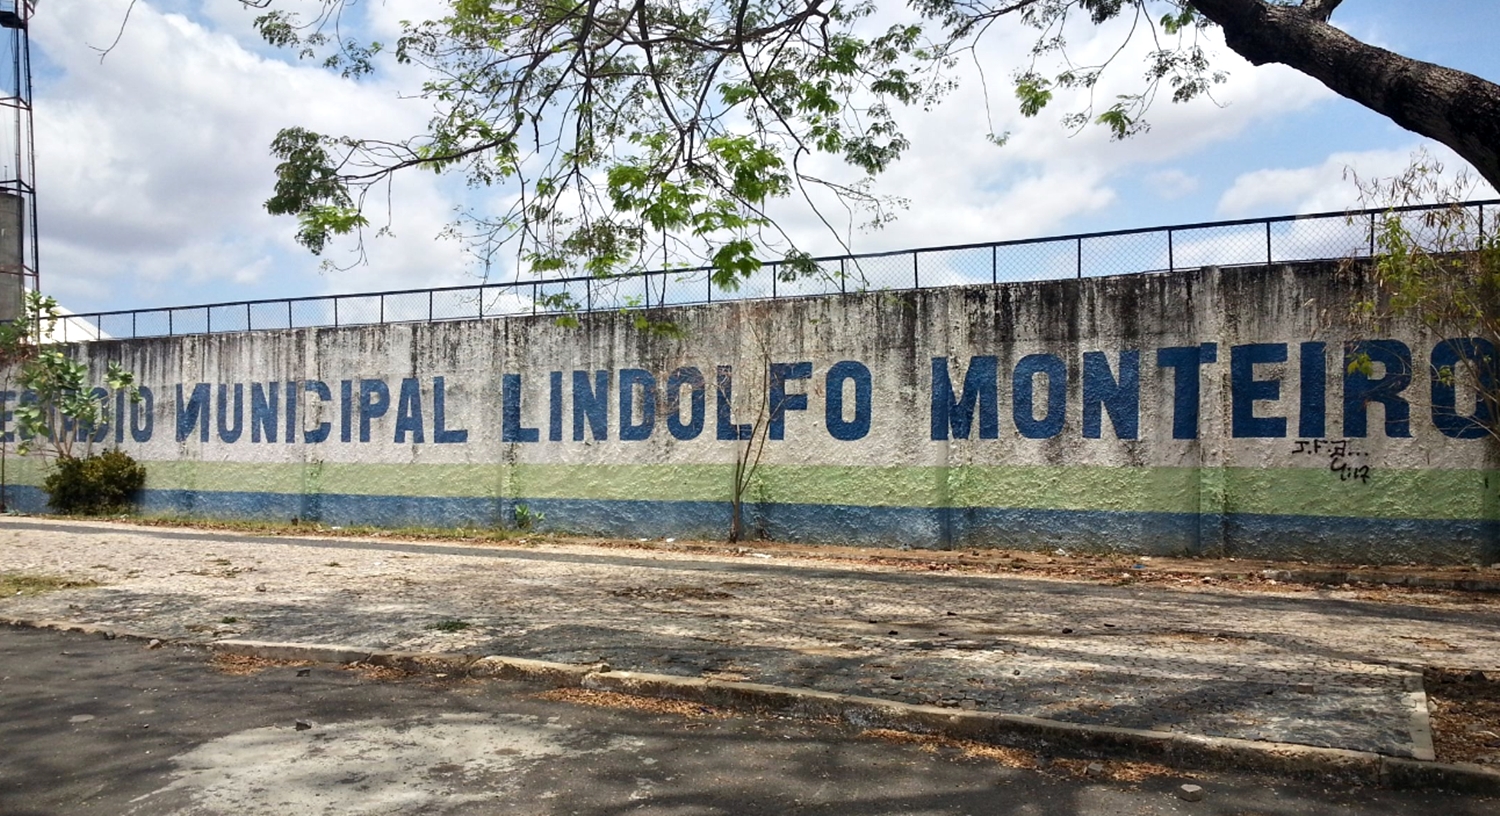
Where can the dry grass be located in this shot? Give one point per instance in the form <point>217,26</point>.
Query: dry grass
<point>284,528</point>
<point>20,583</point>
<point>386,673</point>
<point>237,664</point>
<point>1465,716</point>
<point>650,705</point>
<point>241,665</point>
<point>1112,770</point>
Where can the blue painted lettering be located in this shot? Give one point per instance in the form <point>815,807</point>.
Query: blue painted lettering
<point>781,401</point>
<point>143,415</point>
<point>441,434</point>
<point>591,404</point>
<point>346,411</point>
<point>293,387</point>
<point>263,404</point>
<point>1312,419</point>
<point>193,412</point>
<point>119,416</point>
<point>858,427</point>
<point>98,432</point>
<point>724,404</point>
<point>693,379</point>
<point>511,429</point>
<point>1121,398</point>
<point>955,414</point>
<point>1360,389</point>
<point>1186,362</point>
<point>325,397</point>
<point>1245,390</point>
<point>554,406</point>
<point>1468,361</point>
<point>633,380</point>
<point>6,415</point>
<point>374,401</point>
<point>409,412</point>
<point>1023,386</point>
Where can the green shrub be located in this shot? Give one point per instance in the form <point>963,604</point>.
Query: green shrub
<point>96,484</point>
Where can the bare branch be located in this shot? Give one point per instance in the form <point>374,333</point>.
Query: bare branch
<point>104,52</point>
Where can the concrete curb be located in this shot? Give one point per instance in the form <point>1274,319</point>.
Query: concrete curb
<point>106,632</point>
<point>1051,737</point>
<point>1186,751</point>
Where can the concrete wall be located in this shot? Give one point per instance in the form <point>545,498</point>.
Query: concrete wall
<point>1199,412</point>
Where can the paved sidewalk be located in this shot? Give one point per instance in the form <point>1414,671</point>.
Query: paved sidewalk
<point>92,726</point>
<point>1326,669</point>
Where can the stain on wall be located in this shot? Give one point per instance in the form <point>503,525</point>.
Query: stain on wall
<point>1203,412</point>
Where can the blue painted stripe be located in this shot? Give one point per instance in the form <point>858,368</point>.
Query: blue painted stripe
<point>1248,535</point>
<point>26,499</point>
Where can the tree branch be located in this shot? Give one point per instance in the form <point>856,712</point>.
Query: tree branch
<point>1320,10</point>
<point>1455,108</point>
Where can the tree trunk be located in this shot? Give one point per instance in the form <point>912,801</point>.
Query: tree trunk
<point>1460,110</point>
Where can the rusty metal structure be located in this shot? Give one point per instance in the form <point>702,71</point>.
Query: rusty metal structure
<point>18,235</point>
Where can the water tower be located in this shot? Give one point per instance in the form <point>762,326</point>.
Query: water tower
<point>18,255</point>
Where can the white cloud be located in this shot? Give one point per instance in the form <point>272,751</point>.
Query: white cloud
<point>1329,186</point>
<point>152,166</point>
<point>963,188</point>
<point>1172,183</point>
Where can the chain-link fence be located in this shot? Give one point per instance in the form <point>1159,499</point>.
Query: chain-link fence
<point>1252,242</point>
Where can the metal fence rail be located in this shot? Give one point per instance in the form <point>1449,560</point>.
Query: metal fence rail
<point>1247,242</point>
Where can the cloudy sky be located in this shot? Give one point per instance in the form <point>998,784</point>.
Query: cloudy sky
<point>153,164</point>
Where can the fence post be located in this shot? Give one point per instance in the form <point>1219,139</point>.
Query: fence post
<point>289,314</point>
<point>1080,261</point>
<point>709,278</point>
<point>1171,258</point>
<point>208,320</point>
<point>774,276</point>
<point>133,332</point>
<point>916,275</point>
<point>1481,221</point>
<point>994,264</point>
<point>429,305</point>
<point>1268,246</point>
<point>335,313</point>
<point>843,277</point>
<point>382,310</point>
<point>1372,235</point>
<point>169,322</point>
<point>248,326</point>
<point>588,294</point>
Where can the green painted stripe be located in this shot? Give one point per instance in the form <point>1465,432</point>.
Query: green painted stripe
<point>25,470</point>
<point>445,481</point>
<point>1394,494</point>
<point>635,482</point>
<point>1430,494</point>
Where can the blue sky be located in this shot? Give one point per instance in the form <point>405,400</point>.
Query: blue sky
<point>152,165</point>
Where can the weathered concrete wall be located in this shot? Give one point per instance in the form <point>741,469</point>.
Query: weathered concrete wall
<point>1202,412</point>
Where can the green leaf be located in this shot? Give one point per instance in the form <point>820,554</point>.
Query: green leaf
<point>1033,92</point>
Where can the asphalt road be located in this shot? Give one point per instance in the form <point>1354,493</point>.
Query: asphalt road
<point>89,725</point>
